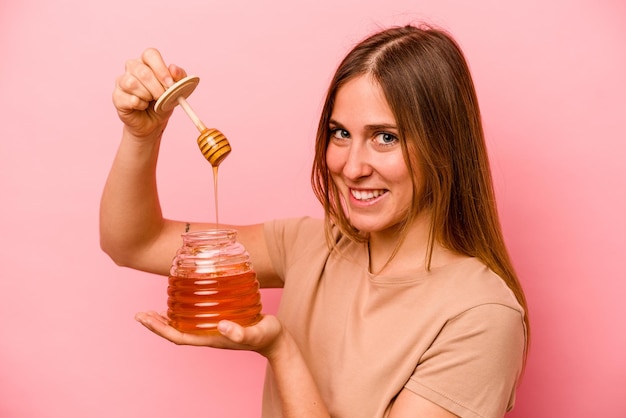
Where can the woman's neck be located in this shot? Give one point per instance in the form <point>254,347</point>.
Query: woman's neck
<point>389,253</point>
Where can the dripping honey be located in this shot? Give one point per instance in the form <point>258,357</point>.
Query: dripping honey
<point>217,214</point>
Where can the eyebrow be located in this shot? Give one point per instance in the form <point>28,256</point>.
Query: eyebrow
<point>369,128</point>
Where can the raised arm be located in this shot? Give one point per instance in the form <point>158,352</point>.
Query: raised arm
<point>133,231</point>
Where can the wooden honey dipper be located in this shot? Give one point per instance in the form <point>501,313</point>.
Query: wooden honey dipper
<point>213,144</point>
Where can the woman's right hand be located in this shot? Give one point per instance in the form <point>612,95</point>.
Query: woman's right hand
<point>144,80</point>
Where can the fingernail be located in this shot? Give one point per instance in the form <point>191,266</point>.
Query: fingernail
<point>169,81</point>
<point>223,327</point>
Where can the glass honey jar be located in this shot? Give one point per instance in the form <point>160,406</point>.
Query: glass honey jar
<point>212,279</point>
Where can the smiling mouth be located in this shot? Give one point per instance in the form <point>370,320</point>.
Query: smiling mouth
<point>366,195</point>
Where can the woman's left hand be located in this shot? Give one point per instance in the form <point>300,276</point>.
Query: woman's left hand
<point>261,337</point>
<point>299,394</point>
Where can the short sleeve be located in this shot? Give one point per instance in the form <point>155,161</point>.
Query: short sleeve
<point>472,367</point>
<point>290,240</point>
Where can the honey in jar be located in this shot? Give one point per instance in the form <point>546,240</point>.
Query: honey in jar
<point>212,279</point>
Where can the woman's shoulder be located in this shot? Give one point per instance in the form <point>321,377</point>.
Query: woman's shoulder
<point>472,283</point>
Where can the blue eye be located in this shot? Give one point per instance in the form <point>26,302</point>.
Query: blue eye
<point>339,133</point>
<point>385,138</point>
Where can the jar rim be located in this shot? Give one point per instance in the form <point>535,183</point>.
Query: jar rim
<point>223,233</point>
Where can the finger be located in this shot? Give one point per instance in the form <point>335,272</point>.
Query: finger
<point>159,324</point>
<point>140,79</point>
<point>259,337</point>
<point>152,318</point>
<point>130,95</point>
<point>153,59</point>
<point>231,330</point>
<point>177,72</point>
<point>161,317</point>
<point>129,83</point>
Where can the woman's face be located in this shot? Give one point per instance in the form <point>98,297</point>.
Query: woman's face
<point>365,159</point>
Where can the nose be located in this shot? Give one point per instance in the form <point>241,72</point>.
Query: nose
<point>357,164</point>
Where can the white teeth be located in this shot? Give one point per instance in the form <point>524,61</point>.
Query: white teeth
<point>366,195</point>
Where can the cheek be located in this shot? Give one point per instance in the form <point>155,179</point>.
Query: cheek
<point>402,177</point>
<point>334,159</point>
<point>397,170</point>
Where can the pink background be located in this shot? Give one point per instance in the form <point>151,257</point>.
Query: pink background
<point>550,79</point>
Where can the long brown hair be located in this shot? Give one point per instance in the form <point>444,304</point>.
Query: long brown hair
<point>428,86</point>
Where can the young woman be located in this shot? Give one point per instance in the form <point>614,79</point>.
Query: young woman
<point>402,301</point>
